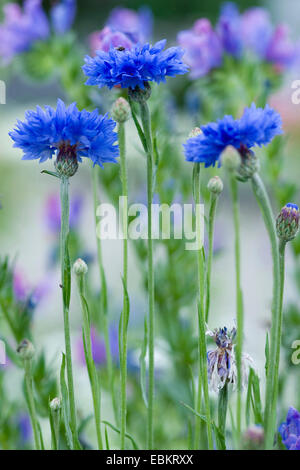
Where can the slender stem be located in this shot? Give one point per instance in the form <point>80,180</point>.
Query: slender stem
<point>96,393</point>
<point>275,339</point>
<point>125,313</point>
<point>55,420</point>
<point>146,121</point>
<point>222,408</point>
<point>104,316</point>
<point>31,404</point>
<point>239,300</point>
<point>201,314</point>
<point>211,225</point>
<point>66,291</point>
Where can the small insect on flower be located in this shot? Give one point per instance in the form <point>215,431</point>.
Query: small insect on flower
<point>287,222</point>
<point>222,367</point>
<point>256,127</point>
<point>290,430</point>
<point>68,133</point>
<point>135,67</point>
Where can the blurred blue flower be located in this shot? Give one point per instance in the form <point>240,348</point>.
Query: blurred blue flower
<point>203,48</point>
<point>21,29</point>
<point>229,29</point>
<point>25,428</point>
<point>290,430</point>
<point>63,15</point>
<point>98,347</point>
<point>136,25</point>
<point>257,126</point>
<point>256,30</point>
<point>66,129</point>
<point>132,68</point>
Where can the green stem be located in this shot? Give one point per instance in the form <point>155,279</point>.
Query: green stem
<point>211,225</point>
<point>125,313</point>
<point>201,313</point>
<point>96,393</point>
<point>239,301</point>
<point>222,408</point>
<point>104,316</point>
<point>55,423</point>
<point>31,404</point>
<point>66,291</point>
<point>275,337</point>
<point>146,121</point>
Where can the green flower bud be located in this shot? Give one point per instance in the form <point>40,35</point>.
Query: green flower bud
<point>140,95</point>
<point>230,158</point>
<point>287,222</point>
<point>249,165</point>
<point>215,185</point>
<point>55,404</point>
<point>26,350</point>
<point>66,163</point>
<point>194,132</point>
<point>120,110</point>
<point>80,267</point>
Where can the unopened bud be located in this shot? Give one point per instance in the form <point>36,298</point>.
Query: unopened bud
<point>55,404</point>
<point>215,185</point>
<point>287,222</point>
<point>26,349</point>
<point>230,158</point>
<point>120,110</point>
<point>80,267</point>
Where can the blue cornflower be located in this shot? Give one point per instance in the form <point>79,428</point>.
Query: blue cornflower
<point>290,430</point>
<point>135,67</point>
<point>257,126</point>
<point>66,132</point>
<point>63,16</point>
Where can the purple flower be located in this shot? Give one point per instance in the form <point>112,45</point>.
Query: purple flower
<point>229,29</point>
<point>281,51</point>
<point>53,211</point>
<point>290,430</point>
<point>256,30</point>
<point>203,48</point>
<point>63,16</point>
<point>98,347</point>
<point>22,28</point>
<point>136,25</point>
<point>20,286</point>
<point>106,38</point>
<point>26,295</point>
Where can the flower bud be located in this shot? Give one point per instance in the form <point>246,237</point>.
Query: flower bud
<point>230,158</point>
<point>26,349</point>
<point>194,132</point>
<point>215,185</point>
<point>140,95</point>
<point>55,404</point>
<point>287,222</point>
<point>66,163</point>
<point>249,165</point>
<point>80,267</point>
<point>253,438</point>
<point>120,110</point>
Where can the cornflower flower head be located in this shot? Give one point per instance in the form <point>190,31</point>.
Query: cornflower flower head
<point>287,222</point>
<point>290,430</point>
<point>221,361</point>
<point>63,15</point>
<point>22,28</point>
<point>256,127</point>
<point>134,68</point>
<point>68,133</point>
<point>203,48</point>
<point>136,25</point>
<point>229,29</point>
